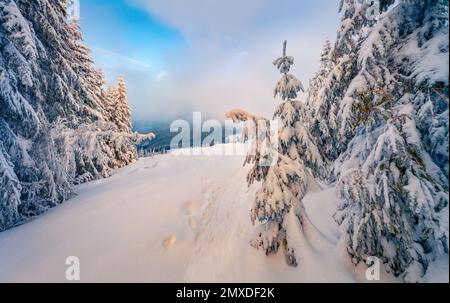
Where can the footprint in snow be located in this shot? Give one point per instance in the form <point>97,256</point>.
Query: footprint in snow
<point>190,207</point>
<point>169,242</point>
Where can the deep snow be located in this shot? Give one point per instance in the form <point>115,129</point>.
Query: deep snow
<point>176,218</point>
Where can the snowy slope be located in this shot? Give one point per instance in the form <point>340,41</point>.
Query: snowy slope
<point>173,218</point>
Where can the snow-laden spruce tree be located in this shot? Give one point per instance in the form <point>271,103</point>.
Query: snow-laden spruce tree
<point>47,83</point>
<point>294,161</point>
<point>388,92</point>
<point>319,81</point>
<point>331,86</point>
<point>120,110</point>
<point>321,111</point>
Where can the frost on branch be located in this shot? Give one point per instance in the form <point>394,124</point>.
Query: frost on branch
<point>239,115</point>
<point>139,139</point>
<point>288,87</point>
<point>253,126</point>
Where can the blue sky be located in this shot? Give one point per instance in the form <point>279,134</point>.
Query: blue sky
<point>125,39</point>
<point>179,56</point>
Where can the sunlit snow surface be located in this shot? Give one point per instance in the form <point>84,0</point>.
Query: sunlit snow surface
<point>176,218</point>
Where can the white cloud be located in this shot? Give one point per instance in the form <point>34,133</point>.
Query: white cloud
<point>119,57</point>
<point>208,17</point>
<point>230,47</point>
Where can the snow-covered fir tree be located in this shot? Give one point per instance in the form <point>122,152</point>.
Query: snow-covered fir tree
<point>120,110</point>
<point>320,116</point>
<point>331,84</point>
<point>288,86</point>
<point>294,161</point>
<point>382,117</point>
<point>319,79</point>
<point>53,125</point>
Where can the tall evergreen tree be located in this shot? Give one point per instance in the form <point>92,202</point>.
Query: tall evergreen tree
<point>320,115</point>
<point>294,161</point>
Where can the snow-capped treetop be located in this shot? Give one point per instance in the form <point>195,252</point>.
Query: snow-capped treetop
<point>325,58</point>
<point>288,86</point>
<point>284,63</point>
<point>141,138</point>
